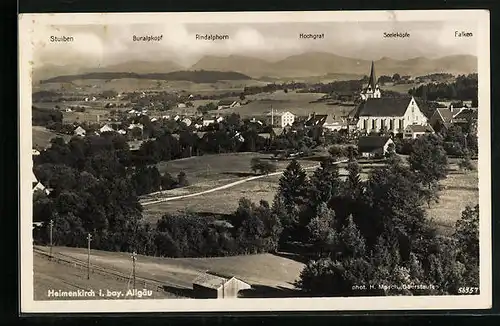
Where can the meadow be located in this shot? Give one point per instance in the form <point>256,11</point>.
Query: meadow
<point>460,189</point>
<point>51,275</point>
<point>42,136</point>
<point>261,270</point>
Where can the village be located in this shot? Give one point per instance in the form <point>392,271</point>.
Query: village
<point>160,136</point>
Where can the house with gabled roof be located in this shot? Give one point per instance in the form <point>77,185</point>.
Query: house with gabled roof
<point>390,114</point>
<point>442,117</point>
<point>79,131</point>
<point>374,146</point>
<point>414,131</point>
<point>227,104</point>
<point>211,286</point>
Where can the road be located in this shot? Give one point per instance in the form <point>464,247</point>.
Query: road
<point>229,185</point>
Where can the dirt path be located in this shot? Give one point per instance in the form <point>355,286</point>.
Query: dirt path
<point>229,185</point>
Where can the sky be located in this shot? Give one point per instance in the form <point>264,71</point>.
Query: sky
<point>101,45</point>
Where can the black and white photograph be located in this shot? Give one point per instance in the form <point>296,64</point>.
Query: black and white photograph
<point>255,161</point>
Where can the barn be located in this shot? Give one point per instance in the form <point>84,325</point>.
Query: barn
<point>209,286</point>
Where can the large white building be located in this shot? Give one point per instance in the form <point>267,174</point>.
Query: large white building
<point>280,119</point>
<point>390,114</point>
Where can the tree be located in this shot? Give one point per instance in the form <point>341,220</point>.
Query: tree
<point>182,179</point>
<point>396,77</point>
<point>465,163</point>
<point>336,152</point>
<point>428,158</point>
<point>324,184</point>
<point>321,229</point>
<point>265,167</point>
<point>351,244</point>
<point>293,185</point>
<point>467,236</point>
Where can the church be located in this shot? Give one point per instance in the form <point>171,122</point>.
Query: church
<point>392,114</point>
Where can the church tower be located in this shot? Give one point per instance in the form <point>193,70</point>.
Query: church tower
<point>372,90</point>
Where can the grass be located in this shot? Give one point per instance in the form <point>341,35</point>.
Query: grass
<point>460,190</point>
<point>50,275</point>
<point>260,269</point>
<point>296,103</point>
<point>209,171</point>
<point>41,136</point>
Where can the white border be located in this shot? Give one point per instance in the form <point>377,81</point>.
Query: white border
<point>28,22</point>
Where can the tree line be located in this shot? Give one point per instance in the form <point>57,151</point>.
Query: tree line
<point>375,232</point>
<point>463,88</point>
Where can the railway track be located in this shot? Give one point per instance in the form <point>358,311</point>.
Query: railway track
<point>141,282</point>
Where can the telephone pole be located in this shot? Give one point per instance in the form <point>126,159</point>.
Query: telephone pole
<point>51,224</point>
<point>134,258</point>
<point>89,238</point>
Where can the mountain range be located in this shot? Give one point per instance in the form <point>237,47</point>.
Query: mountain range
<point>302,65</point>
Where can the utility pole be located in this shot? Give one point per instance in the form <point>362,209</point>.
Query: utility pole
<point>272,117</point>
<point>134,258</point>
<point>89,238</point>
<point>50,236</point>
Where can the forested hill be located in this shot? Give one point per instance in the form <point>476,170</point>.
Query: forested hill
<point>199,76</point>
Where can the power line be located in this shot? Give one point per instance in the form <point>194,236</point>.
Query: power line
<point>134,258</point>
<point>89,238</point>
<point>50,236</point>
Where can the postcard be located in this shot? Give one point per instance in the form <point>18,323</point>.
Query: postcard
<point>255,161</point>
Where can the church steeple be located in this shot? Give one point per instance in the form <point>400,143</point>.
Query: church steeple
<point>372,81</point>
<point>372,90</point>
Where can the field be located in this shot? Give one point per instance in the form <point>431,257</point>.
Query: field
<point>210,171</point>
<point>400,88</point>
<point>51,275</point>
<point>96,86</point>
<point>296,103</point>
<point>461,189</point>
<point>272,272</point>
<point>41,136</point>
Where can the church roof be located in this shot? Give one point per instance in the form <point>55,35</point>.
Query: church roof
<point>384,107</point>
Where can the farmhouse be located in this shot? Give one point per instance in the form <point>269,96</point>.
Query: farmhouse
<point>227,104</point>
<point>441,117</point>
<point>332,123</point>
<point>414,131</point>
<point>316,120</point>
<point>79,131</point>
<point>374,146</point>
<point>210,286</point>
<point>105,128</point>
<point>391,114</point>
<point>466,117</point>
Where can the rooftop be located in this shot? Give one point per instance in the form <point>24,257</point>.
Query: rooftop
<point>384,107</point>
<point>370,143</point>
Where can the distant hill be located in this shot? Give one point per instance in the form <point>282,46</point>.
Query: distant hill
<point>303,65</point>
<point>201,76</point>
<point>245,65</point>
<point>321,63</point>
<point>141,67</point>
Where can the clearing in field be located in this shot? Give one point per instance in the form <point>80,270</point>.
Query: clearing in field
<point>296,103</point>
<point>263,271</point>
<point>42,136</point>
<point>210,171</point>
<point>461,189</point>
